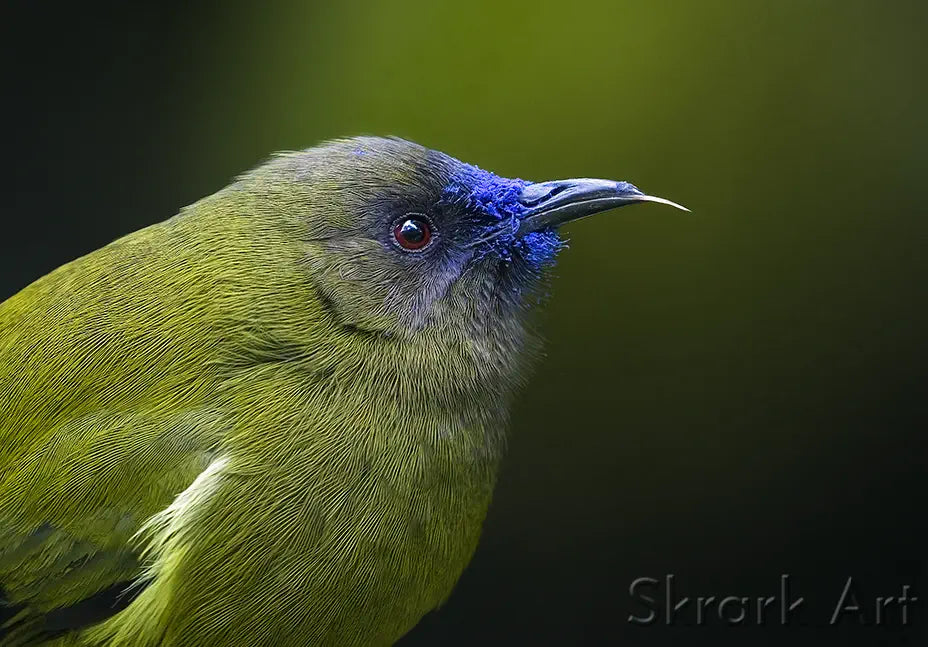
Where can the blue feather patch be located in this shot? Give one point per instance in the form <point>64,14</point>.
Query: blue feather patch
<point>494,201</point>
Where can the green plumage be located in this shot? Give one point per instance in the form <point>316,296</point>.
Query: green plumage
<point>275,419</point>
<point>279,429</point>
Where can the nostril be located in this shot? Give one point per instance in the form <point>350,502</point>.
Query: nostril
<point>534,194</point>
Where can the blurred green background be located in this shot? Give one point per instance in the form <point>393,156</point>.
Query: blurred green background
<point>727,396</point>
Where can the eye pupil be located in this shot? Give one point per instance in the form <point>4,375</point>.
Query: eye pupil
<point>412,233</point>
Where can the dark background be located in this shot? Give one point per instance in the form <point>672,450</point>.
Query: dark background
<point>727,396</point>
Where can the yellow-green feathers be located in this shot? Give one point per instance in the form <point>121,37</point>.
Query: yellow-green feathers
<point>257,419</point>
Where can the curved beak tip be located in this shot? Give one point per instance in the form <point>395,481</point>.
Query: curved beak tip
<point>669,203</point>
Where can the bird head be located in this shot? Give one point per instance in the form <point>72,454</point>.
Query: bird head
<point>410,244</point>
<point>403,240</point>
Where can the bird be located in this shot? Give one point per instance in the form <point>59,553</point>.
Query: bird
<point>275,418</point>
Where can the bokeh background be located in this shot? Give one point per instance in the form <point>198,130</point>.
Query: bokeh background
<point>727,396</point>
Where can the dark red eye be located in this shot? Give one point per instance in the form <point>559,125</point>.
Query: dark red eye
<point>412,233</point>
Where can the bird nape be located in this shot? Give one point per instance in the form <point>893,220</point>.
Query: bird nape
<point>275,418</point>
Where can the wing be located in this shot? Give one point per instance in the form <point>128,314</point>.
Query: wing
<point>71,505</point>
<point>106,415</point>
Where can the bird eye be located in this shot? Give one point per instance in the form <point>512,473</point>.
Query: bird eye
<point>412,233</point>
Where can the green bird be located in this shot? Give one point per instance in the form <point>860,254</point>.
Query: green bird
<point>276,418</point>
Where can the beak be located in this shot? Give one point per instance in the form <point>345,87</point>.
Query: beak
<point>551,204</point>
